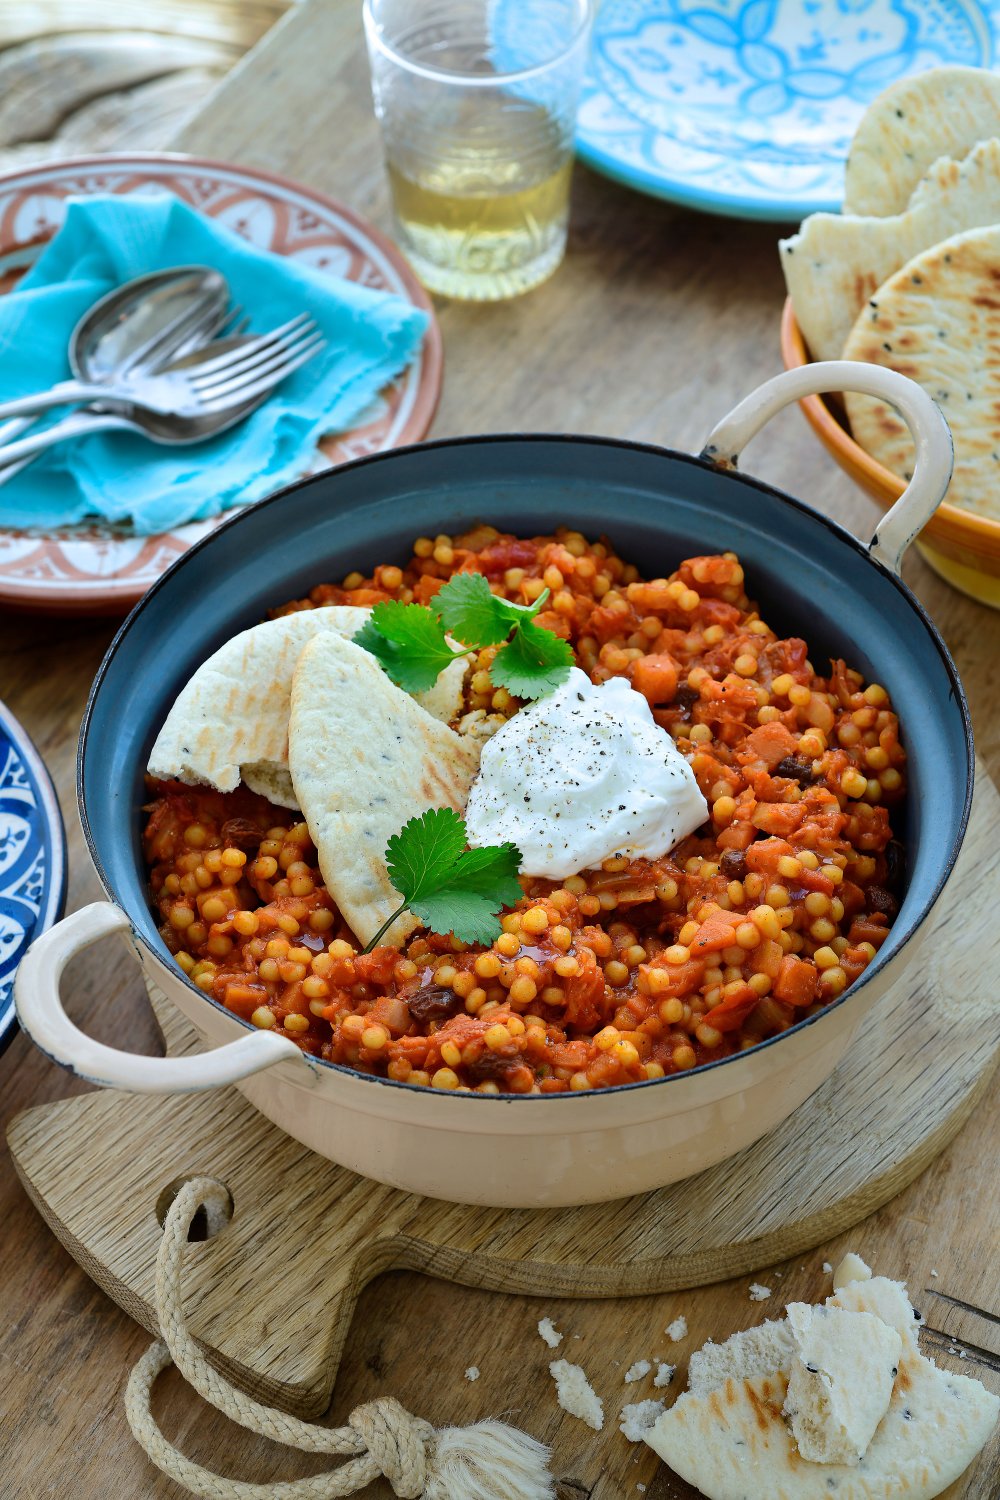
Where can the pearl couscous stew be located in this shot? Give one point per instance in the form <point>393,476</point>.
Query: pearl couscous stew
<point>762,916</point>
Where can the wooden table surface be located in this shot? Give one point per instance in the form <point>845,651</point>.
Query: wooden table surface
<point>656,324</point>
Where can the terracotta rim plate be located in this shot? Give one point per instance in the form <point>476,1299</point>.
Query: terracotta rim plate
<point>32,857</point>
<point>103,569</point>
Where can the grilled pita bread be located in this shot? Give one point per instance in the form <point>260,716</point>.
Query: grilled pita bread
<point>943,112</point>
<point>938,321</point>
<point>837,262</point>
<point>364,759</point>
<point>230,722</point>
<point>733,1443</point>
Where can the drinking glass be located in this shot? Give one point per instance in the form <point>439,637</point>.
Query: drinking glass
<point>477,102</point>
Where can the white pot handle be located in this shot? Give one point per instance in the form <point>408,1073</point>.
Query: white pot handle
<point>40,1012</point>
<point>931,434</point>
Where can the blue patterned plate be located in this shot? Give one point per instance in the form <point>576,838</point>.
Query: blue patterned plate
<point>747,107</point>
<point>32,857</point>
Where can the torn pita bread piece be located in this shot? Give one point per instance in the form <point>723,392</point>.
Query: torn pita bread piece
<point>230,722</point>
<point>840,1381</point>
<point>733,1441</point>
<point>943,112</point>
<point>850,1268</point>
<point>364,759</point>
<point>937,320</point>
<point>763,1350</point>
<point>837,262</point>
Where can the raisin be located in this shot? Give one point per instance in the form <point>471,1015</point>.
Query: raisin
<point>434,1003</point>
<point>733,864</point>
<point>240,833</point>
<point>492,1065</point>
<point>877,898</point>
<point>684,700</point>
<point>794,770</point>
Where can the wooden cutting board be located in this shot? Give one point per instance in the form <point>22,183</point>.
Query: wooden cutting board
<point>273,1295</point>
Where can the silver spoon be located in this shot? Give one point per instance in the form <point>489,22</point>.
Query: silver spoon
<point>144,320</point>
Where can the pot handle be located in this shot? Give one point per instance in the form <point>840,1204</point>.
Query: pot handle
<point>41,1014</point>
<point>930,432</point>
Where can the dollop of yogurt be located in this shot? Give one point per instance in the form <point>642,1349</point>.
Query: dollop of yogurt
<point>580,776</point>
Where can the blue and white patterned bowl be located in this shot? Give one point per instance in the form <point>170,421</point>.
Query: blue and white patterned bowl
<point>32,857</point>
<point>747,107</point>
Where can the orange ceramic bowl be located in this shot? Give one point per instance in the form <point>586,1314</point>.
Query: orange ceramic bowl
<point>962,547</point>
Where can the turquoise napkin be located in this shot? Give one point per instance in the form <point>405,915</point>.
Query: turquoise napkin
<point>371,336</point>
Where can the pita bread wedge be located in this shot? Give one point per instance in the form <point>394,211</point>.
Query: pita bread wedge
<point>938,321</point>
<point>230,722</point>
<point>837,262</point>
<point>887,1300</point>
<point>840,1382</point>
<point>364,759</point>
<point>734,1443</point>
<point>943,112</point>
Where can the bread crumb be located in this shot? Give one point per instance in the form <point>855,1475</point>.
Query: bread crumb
<point>664,1375</point>
<point>550,1333</point>
<point>677,1330</point>
<point>472,1373</point>
<point>933,1273</point>
<point>638,1418</point>
<point>576,1395</point>
<point>759,1293</point>
<point>637,1371</point>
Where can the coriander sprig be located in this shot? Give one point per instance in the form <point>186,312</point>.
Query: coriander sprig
<point>450,887</point>
<point>409,643</point>
<point>410,640</point>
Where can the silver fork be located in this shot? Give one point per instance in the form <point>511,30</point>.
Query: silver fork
<point>190,404</point>
<point>194,328</point>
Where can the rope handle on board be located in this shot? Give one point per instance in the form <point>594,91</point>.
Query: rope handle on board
<point>487,1461</point>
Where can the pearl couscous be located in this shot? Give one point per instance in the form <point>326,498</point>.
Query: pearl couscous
<point>763,916</point>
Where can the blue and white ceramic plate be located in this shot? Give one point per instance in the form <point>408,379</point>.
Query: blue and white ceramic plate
<point>32,857</point>
<point>747,107</point>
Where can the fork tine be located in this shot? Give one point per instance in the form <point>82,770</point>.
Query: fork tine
<point>249,357</point>
<point>231,356</point>
<point>263,386</point>
<point>264,369</point>
<point>197,338</point>
<point>169,338</point>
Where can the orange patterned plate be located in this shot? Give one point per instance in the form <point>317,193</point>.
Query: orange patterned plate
<point>103,569</point>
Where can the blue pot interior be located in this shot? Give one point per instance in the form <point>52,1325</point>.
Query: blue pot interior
<point>810,577</point>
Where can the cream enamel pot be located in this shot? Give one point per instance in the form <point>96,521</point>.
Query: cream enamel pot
<point>657,507</point>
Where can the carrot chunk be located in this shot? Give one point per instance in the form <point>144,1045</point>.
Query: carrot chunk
<point>797,981</point>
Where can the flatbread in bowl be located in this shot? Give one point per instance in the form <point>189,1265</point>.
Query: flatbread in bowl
<point>937,320</point>
<point>364,757</point>
<point>229,723</point>
<point>914,122</point>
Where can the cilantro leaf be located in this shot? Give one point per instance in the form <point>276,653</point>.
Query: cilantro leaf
<point>534,662</point>
<point>424,851</point>
<point>471,611</point>
<point>409,643</point>
<point>449,887</point>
